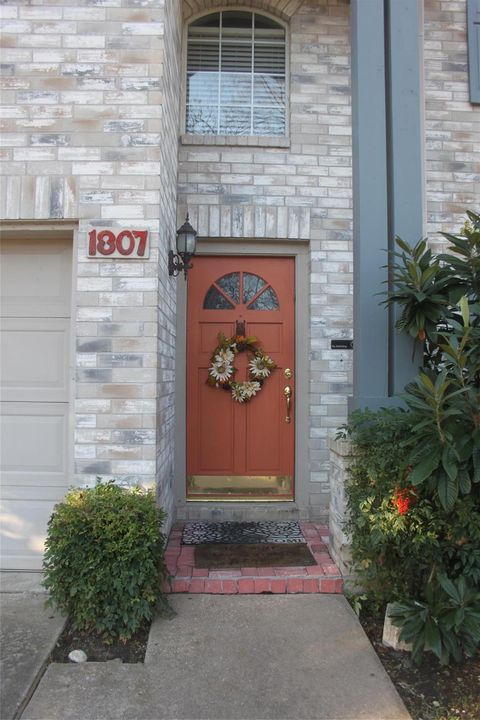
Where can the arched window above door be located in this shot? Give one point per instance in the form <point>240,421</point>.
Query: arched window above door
<point>241,289</point>
<point>236,75</point>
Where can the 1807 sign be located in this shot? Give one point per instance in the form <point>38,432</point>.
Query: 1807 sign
<point>123,244</point>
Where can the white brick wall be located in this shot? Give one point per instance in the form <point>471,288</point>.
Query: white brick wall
<point>88,93</point>
<point>452,123</point>
<point>165,439</point>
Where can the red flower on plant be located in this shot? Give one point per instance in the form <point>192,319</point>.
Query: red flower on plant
<point>403,498</point>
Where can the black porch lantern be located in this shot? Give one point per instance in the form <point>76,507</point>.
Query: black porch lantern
<point>186,244</point>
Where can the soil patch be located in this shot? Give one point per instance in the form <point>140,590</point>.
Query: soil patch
<point>96,649</point>
<point>262,555</point>
<point>430,691</point>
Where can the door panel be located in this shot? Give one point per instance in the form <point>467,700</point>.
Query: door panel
<point>214,456</point>
<point>240,451</point>
<point>36,278</point>
<point>24,524</point>
<point>34,438</point>
<point>34,355</point>
<point>209,333</point>
<point>264,438</point>
<point>271,334</point>
<point>34,387</point>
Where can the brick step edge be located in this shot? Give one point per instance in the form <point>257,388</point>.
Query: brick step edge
<point>256,586</point>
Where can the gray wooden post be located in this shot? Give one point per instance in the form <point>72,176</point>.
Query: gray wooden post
<point>406,157</point>
<point>370,211</point>
<point>387,183</point>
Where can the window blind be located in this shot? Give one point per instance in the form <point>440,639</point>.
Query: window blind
<point>236,75</point>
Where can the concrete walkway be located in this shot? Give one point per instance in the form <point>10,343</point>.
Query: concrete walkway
<point>250,657</point>
<point>28,632</point>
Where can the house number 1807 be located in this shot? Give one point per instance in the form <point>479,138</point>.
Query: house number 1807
<point>126,243</point>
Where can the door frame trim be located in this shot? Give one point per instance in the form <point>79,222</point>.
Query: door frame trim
<point>300,251</point>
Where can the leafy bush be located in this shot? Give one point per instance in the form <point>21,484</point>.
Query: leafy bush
<point>447,622</point>
<point>104,559</point>
<point>414,491</point>
<point>440,298</point>
<point>400,532</point>
<point>378,532</point>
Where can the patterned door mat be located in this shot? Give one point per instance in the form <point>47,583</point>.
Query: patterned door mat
<point>242,533</point>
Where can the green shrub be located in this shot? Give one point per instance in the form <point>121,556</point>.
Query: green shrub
<point>399,532</point>
<point>414,492</point>
<point>440,301</point>
<point>447,622</point>
<point>104,560</point>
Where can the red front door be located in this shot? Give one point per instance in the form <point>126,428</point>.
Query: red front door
<point>240,450</point>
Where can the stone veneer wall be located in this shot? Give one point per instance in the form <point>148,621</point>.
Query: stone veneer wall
<point>452,123</point>
<point>165,435</point>
<point>89,99</point>
<point>301,189</point>
<point>340,458</point>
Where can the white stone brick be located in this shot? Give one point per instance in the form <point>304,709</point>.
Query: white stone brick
<point>122,211</point>
<point>92,168</point>
<point>96,314</point>
<point>153,28</point>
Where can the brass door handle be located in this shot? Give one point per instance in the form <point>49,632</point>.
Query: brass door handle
<point>287,391</point>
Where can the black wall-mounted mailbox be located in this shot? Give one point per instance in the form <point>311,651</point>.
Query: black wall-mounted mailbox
<point>343,344</point>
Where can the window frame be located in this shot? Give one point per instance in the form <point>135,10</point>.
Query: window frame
<point>218,139</point>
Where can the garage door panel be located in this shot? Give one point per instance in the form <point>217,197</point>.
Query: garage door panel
<point>23,532</point>
<point>36,278</point>
<point>35,305</point>
<point>35,493</point>
<point>34,441</point>
<point>34,359</point>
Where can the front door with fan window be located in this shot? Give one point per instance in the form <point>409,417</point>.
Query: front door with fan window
<point>241,450</point>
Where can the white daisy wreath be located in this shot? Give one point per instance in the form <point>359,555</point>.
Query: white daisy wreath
<point>222,370</point>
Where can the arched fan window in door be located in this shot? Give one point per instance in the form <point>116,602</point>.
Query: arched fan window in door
<point>241,288</point>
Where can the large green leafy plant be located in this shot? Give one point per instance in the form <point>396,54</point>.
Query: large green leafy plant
<point>104,560</point>
<point>400,532</point>
<point>447,621</point>
<point>414,491</point>
<point>440,302</point>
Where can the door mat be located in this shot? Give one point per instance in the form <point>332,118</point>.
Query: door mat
<point>242,533</point>
<point>223,556</point>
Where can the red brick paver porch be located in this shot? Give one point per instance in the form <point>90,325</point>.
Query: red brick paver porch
<point>324,577</point>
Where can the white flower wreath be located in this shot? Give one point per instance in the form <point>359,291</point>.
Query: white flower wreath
<point>222,369</point>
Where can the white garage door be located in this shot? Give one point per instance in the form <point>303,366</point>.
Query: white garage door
<point>34,393</point>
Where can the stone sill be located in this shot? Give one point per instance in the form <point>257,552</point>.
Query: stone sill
<point>236,140</point>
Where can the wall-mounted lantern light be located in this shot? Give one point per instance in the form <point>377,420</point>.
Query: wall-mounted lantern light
<point>186,244</point>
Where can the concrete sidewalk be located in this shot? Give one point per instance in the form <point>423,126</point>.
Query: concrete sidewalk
<point>250,657</point>
<point>28,632</point>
